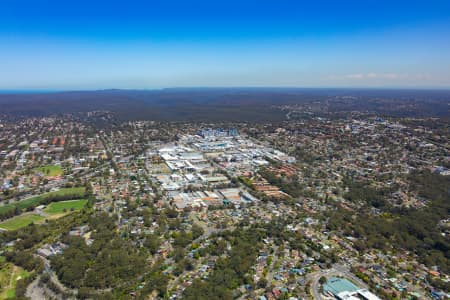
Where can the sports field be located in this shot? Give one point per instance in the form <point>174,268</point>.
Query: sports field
<point>337,285</point>
<point>65,206</point>
<point>50,170</point>
<point>20,221</point>
<point>74,193</point>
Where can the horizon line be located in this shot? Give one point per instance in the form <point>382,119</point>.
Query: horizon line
<point>50,90</point>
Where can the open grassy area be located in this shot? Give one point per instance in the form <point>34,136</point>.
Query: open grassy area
<point>79,191</point>
<point>73,193</point>
<point>62,195</point>
<point>9,274</point>
<point>50,170</point>
<point>65,206</point>
<point>20,221</point>
<point>4,209</point>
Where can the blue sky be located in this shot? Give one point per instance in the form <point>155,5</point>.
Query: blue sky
<point>154,44</point>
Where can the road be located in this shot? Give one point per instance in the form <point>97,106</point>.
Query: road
<point>49,186</point>
<point>271,272</point>
<point>336,270</point>
<point>34,291</point>
<point>54,184</point>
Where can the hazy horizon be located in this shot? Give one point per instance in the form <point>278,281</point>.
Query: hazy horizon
<point>243,88</point>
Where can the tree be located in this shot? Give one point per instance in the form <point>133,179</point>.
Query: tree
<point>152,243</point>
<point>197,231</point>
<point>262,283</point>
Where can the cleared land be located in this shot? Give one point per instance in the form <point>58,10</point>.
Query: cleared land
<point>50,170</point>
<point>9,274</point>
<point>20,221</point>
<point>65,206</point>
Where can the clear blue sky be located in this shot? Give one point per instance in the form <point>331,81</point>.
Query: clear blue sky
<point>152,44</point>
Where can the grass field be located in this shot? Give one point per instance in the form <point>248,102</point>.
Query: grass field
<point>9,274</point>
<point>59,207</point>
<point>20,221</point>
<point>76,193</point>
<point>54,209</point>
<point>6,208</point>
<point>50,170</point>
<point>35,201</point>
